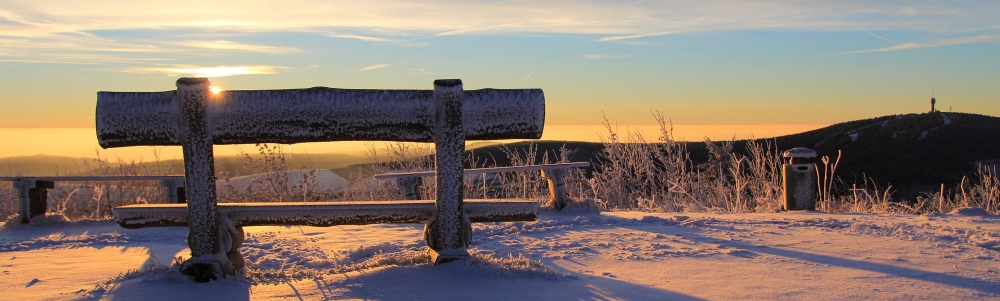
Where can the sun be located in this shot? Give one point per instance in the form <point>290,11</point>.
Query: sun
<point>214,89</point>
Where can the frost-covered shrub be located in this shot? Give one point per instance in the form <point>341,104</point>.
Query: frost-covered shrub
<point>413,157</point>
<point>268,178</point>
<point>636,174</point>
<point>8,200</point>
<point>659,176</point>
<point>95,199</point>
<point>526,184</point>
<point>393,157</point>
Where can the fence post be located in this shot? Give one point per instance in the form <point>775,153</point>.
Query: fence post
<point>557,187</point>
<point>448,232</point>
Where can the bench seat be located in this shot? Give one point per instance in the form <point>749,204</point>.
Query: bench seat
<point>325,213</point>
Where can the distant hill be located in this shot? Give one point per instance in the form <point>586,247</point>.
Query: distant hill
<point>42,165</point>
<point>914,152</point>
<point>232,165</point>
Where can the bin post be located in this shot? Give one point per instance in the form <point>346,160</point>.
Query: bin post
<point>798,176</point>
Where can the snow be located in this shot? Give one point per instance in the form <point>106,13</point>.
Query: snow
<point>615,255</point>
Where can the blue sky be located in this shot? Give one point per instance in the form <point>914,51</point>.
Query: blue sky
<point>699,62</point>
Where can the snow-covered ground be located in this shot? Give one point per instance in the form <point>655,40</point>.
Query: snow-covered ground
<point>612,256</point>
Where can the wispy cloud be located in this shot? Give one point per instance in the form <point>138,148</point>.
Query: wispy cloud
<point>77,50</point>
<point>48,62</point>
<point>373,67</point>
<point>397,39</point>
<point>417,71</point>
<point>90,49</point>
<point>128,28</point>
<point>230,45</point>
<point>634,36</point>
<point>82,59</point>
<point>614,20</point>
<point>358,37</point>
<point>593,56</point>
<point>939,43</point>
<point>218,71</point>
<point>878,36</point>
<point>475,29</point>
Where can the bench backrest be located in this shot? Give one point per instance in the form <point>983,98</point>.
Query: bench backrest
<point>195,118</point>
<point>316,115</point>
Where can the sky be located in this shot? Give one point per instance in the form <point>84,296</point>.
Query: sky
<point>739,63</point>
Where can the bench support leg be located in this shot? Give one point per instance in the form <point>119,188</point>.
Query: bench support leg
<point>33,197</point>
<point>199,176</point>
<point>448,232</point>
<point>24,198</point>
<point>237,234</point>
<point>39,198</point>
<point>557,187</point>
<point>175,191</point>
<point>228,260</point>
<point>411,186</point>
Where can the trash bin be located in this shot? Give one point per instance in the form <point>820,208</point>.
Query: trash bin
<point>798,175</point>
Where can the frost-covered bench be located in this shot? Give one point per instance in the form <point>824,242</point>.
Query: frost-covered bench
<point>196,118</point>
<point>553,173</point>
<point>32,192</point>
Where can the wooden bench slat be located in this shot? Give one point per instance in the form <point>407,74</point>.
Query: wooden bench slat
<point>325,213</point>
<point>397,175</point>
<point>317,114</point>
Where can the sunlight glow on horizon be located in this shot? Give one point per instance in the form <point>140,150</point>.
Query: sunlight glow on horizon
<point>82,142</point>
<point>220,71</point>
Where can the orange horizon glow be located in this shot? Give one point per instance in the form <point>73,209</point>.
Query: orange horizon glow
<point>82,142</point>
